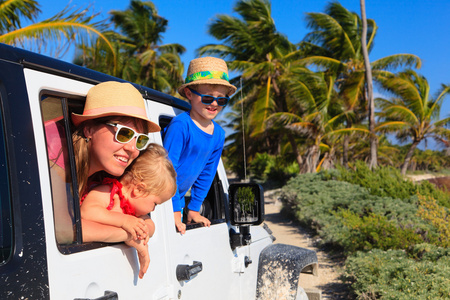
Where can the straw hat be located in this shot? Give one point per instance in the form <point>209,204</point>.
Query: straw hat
<point>207,70</point>
<point>112,98</point>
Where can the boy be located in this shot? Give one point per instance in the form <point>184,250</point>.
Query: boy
<point>194,141</point>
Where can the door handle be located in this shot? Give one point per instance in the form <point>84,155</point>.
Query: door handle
<point>186,272</point>
<point>109,295</point>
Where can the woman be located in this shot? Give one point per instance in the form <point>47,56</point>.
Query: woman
<point>97,150</point>
<point>109,135</point>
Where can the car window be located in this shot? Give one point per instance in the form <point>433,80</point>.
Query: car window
<point>6,225</point>
<point>60,170</point>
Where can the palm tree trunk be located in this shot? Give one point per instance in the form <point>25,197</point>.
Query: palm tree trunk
<point>408,157</point>
<point>328,160</point>
<point>373,138</point>
<point>345,151</point>
<point>311,158</point>
<point>295,150</point>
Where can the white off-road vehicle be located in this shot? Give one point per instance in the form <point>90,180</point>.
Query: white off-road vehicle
<point>233,259</point>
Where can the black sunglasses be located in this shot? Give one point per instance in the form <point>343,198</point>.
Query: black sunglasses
<point>208,99</point>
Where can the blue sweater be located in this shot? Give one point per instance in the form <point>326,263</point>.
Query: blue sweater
<point>195,155</point>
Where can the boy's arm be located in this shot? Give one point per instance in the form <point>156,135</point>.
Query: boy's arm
<point>181,227</point>
<point>201,186</point>
<point>174,142</point>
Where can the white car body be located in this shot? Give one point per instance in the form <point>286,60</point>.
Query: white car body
<point>34,265</point>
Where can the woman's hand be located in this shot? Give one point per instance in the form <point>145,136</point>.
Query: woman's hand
<point>150,227</point>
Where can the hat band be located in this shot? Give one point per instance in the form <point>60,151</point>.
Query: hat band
<point>206,75</point>
<point>121,110</point>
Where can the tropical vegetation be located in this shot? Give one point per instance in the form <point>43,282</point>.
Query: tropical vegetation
<point>392,233</point>
<point>412,112</point>
<point>141,58</point>
<point>53,36</point>
<point>301,107</point>
<point>304,103</point>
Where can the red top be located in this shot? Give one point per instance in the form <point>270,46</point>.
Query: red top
<point>116,188</point>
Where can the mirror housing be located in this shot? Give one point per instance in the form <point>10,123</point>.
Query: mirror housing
<point>246,204</point>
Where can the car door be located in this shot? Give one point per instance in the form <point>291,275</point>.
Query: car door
<point>76,269</point>
<point>208,247</point>
<point>23,267</point>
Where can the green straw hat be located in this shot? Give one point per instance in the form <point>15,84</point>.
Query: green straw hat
<point>207,70</point>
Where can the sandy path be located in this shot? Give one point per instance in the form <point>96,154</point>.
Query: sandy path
<point>287,232</point>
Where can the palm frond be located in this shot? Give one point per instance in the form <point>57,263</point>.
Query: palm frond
<point>62,29</point>
<point>396,61</point>
<point>12,11</point>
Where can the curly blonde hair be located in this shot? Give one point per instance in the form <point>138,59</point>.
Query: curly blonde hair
<point>152,172</point>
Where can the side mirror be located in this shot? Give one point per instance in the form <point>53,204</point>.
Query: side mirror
<point>246,203</point>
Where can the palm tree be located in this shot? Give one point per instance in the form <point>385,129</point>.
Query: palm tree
<point>54,35</point>
<point>413,114</point>
<point>263,57</point>
<point>320,120</point>
<point>369,87</point>
<point>386,154</point>
<point>142,58</point>
<point>335,44</point>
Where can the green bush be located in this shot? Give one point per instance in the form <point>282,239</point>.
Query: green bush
<point>393,275</point>
<point>320,204</point>
<point>390,231</point>
<point>438,216</point>
<point>261,165</point>
<point>375,231</point>
<point>388,182</point>
<point>268,167</point>
<point>245,198</point>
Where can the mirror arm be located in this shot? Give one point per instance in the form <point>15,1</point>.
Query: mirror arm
<point>241,238</point>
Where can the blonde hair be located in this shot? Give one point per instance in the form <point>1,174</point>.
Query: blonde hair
<point>152,172</point>
<point>81,147</point>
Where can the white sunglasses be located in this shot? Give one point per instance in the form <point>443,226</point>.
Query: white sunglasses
<point>125,134</point>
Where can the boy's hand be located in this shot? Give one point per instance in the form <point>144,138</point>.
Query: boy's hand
<point>135,226</point>
<point>181,227</point>
<point>195,217</point>
<point>143,256</point>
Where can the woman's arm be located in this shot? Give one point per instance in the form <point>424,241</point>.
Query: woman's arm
<point>97,232</point>
<point>94,208</point>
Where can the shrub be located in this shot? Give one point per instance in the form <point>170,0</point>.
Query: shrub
<point>268,167</point>
<point>438,216</point>
<point>376,231</point>
<point>393,275</point>
<point>348,216</point>
<point>386,181</point>
<point>245,198</point>
<point>261,165</point>
<point>361,216</point>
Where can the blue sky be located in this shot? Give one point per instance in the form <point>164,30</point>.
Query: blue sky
<point>419,27</point>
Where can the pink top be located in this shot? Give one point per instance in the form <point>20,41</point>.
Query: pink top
<point>55,136</point>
